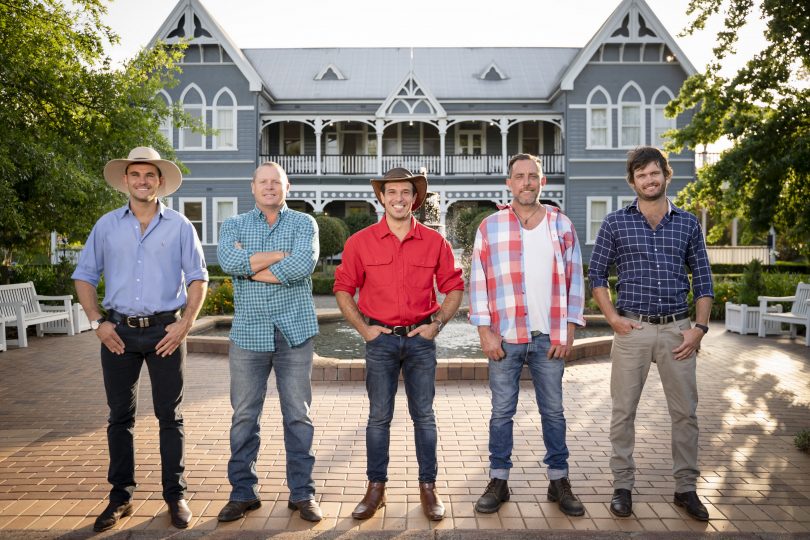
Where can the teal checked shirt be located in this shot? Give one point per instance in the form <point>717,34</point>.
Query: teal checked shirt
<point>263,307</point>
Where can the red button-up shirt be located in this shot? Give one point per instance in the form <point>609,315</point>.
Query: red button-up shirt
<point>396,278</point>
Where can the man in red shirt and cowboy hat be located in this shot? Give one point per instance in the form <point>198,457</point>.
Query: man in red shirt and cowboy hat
<point>394,264</point>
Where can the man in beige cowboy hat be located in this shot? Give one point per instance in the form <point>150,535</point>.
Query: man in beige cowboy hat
<point>153,266</point>
<point>394,264</point>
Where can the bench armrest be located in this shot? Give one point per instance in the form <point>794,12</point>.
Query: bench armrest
<point>776,298</point>
<point>19,308</point>
<point>59,298</point>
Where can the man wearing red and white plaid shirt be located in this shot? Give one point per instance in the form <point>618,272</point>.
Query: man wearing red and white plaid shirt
<point>526,298</point>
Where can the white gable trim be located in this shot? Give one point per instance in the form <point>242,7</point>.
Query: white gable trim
<point>335,70</point>
<point>411,83</point>
<point>489,68</point>
<point>603,35</point>
<point>190,8</point>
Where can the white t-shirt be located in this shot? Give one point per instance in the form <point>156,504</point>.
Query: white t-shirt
<point>538,256</point>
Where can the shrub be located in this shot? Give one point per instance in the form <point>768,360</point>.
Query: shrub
<point>802,440</point>
<point>359,221</point>
<point>752,284</point>
<point>49,280</point>
<point>219,300</point>
<point>322,283</point>
<point>332,234</point>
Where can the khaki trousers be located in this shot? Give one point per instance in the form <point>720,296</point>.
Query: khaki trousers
<point>631,356</point>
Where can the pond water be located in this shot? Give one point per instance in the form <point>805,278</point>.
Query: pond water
<point>459,339</point>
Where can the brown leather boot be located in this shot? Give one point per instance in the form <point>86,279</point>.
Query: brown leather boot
<point>372,501</point>
<point>431,503</point>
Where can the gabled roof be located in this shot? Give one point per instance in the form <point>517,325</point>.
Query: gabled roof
<point>330,73</point>
<point>492,73</point>
<point>631,22</point>
<point>411,98</point>
<point>191,21</point>
<point>449,72</point>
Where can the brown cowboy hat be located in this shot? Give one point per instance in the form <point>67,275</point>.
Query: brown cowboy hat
<point>401,174</point>
<point>115,170</point>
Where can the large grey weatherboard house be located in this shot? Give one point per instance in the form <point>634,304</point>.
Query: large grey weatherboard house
<point>336,117</point>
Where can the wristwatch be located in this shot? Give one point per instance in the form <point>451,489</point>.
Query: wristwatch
<point>702,327</point>
<point>440,323</point>
<point>95,324</point>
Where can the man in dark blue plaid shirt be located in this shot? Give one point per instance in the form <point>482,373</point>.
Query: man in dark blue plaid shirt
<point>651,241</point>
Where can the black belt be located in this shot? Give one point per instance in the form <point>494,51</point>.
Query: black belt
<point>142,321</point>
<point>655,319</point>
<point>400,330</point>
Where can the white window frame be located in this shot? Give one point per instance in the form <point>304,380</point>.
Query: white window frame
<point>624,200</point>
<point>672,123</point>
<point>181,207</point>
<point>590,107</point>
<point>233,109</point>
<point>168,202</point>
<point>482,130</point>
<point>282,128</point>
<point>202,108</point>
<point>216,218</point>
<point>540,141</point>
<point>588,207</point>
<point>638,104</point>
<point>167,123</point>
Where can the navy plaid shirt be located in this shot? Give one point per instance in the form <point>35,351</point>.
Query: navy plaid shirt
<point>652,263</point>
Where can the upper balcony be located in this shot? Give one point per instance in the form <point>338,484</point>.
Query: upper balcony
<point>553,164</point>
<point>369,147</point>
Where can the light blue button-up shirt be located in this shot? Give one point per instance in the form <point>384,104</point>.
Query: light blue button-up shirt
<point>143,273</point>
<point>260,307</point>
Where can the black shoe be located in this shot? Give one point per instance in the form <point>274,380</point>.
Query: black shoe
<point>180,513</point>
<point>236,509</point>
<point>559,491</point>
<point>622,503</point>
<point>308,509</point>
<point>690,501</point>
<point>494,496</point>
<point>110,516</point>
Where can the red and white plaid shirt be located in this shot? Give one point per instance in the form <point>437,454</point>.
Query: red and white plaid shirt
<point>497,284</point>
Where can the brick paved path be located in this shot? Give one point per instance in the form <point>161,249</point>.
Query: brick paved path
<point>755,394</point>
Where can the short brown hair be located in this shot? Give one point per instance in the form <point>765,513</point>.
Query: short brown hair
<point>281,171</point>
<point>641,156</point>
<point>522,157</point>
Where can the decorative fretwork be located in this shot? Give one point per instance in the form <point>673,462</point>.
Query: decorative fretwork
<point>199,31</point>
<point>180,31</point>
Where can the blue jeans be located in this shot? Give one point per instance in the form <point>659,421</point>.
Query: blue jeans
<point>386,355</point>
<point>504,383</point>
<point>249,373</point>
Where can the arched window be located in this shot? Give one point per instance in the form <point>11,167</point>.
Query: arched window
<point>631,116</point>
<point>166,127</point>
<point>193,105</point>
<point>599,119</point>
<point>225,120</point>
<point>660,123</point>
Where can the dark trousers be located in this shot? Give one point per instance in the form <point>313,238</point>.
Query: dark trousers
<point>121,378</point>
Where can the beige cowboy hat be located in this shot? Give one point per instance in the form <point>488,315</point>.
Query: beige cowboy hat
<point>401,174</point>
<point>115,170</point>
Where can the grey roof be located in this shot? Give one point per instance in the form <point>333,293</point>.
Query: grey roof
<point>447,72</point>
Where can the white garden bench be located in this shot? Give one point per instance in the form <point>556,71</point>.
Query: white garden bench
<point>799,313</point>
<point>20,306</point>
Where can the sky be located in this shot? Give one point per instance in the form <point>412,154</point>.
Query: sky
<point>417,23</point>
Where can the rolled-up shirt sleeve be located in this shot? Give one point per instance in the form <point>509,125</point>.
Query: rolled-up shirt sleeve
<point>602,257</point>
<point>698,260</point>
<point>91,259</point>
<point>192,258</point>
<point>349,274</point>
<point>448,274</point>
<point>479,300</point>
<point>300,263</point>
<point>233,259</point>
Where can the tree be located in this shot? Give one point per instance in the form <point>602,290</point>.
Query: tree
<point>764,109</point>
<point>66,111</point>
<point>332,234</point>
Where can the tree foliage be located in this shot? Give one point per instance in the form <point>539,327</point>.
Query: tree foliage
<point>332,234</point>
<point>65,112</point>
<point>764,109</point>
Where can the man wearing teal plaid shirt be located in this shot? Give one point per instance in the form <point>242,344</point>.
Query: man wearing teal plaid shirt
<point>271,252</point>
